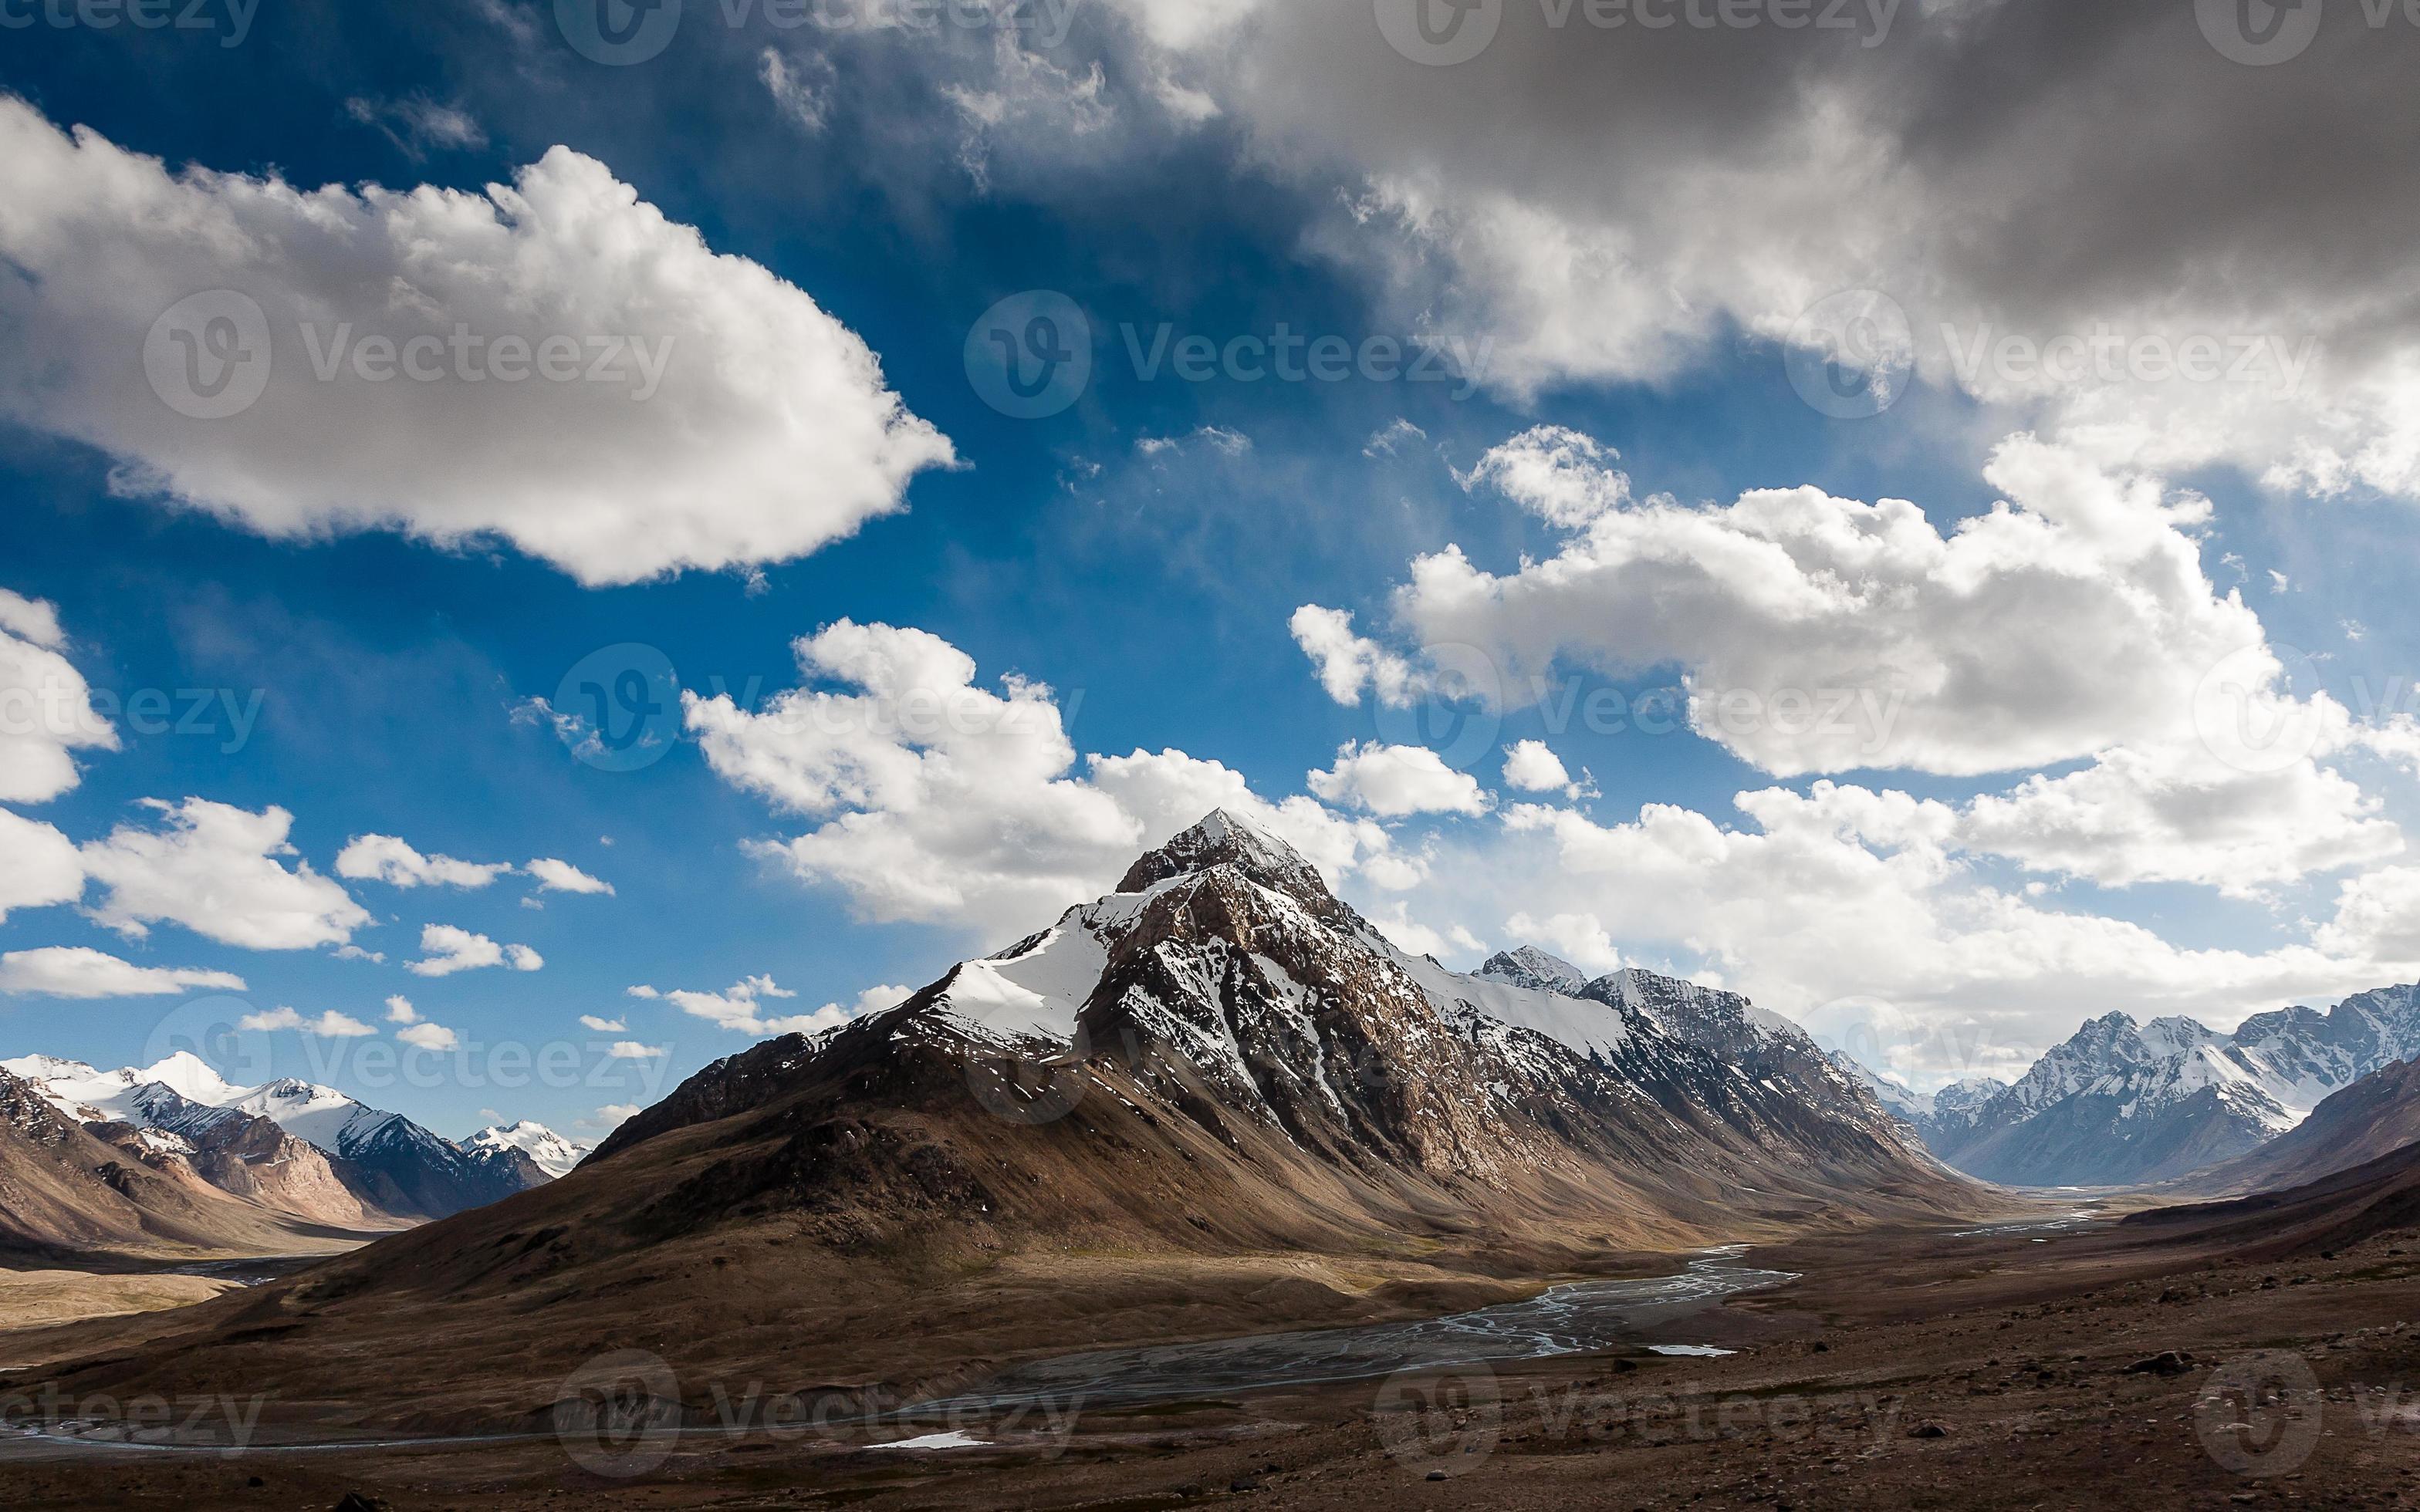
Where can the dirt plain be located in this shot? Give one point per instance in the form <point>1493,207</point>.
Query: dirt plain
<point>1925,1367</point>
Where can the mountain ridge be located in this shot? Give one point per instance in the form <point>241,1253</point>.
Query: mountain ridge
<point>1220,1102</point>
<point>294,1147</point>
<point>2125,1103</point>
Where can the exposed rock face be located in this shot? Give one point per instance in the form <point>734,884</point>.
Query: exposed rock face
<point>1530,966</point>
<point>67,1188</point>
<point>1225,986</point>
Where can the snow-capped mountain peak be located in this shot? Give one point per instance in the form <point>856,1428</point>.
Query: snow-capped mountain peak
<point>554,1154</point>
<point>317,1115</point>
<point>2123,1101</point>
<point>1225,990</point>
<point>1222,838</point>
<point>392,1162</point>
<point>1903,1102</point>
<point>188,1075</point>
<point>1529,966</point>
<point>47,1068</point>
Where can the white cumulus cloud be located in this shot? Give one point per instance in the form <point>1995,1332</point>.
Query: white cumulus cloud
<point>562,876</point>
<point>1532,767</point>
<point>389,860</point>
<point>446,950</point>
<point>1392,781</point>
<point>2072,622</point>
<point>79,971</point>
<point>550,363</point>
<point>215,870</point>
<point>42,865</point>
<point>46,713</point>
<point>431,1036</point>
<point>328,1026</point>
<point>943,801</point>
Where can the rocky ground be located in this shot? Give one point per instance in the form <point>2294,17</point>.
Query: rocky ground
<point>2022,1369</point>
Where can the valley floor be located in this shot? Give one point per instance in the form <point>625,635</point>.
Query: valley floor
<point>36,1294</point>
<point>35,1298</point>
<point>2010,1367</point>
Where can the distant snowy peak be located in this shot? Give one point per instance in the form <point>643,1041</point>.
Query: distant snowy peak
<point>33,1068</point>
<point>325,1118</point>
<point>90,1096</point>
<point>1963,1099</point>
<point>1902,1101</point>
<point>1533,968</point>
<point>2276,1067</point>
<point>2123,1102</point>
<point>182,1105</point>
<point>188,1075</point>
<point>550,1151</point>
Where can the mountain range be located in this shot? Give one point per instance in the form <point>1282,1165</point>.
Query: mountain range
<point>295,1151</point>
<point>1215,1101</point>
<point>2124,1104</point>
<point>2376,1116</point>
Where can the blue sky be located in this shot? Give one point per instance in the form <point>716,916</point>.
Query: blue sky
<point>1144,551</point>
